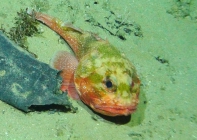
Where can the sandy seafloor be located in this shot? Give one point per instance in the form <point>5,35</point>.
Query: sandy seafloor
<point>168,98</point>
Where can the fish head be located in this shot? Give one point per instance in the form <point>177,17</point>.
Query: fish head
<point>107,83</point>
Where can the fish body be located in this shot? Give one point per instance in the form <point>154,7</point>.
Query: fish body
<point>98,74</point>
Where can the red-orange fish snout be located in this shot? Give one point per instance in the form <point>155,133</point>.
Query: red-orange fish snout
<point>113,107</point>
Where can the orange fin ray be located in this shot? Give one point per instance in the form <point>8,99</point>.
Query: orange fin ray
<point>66,63</point>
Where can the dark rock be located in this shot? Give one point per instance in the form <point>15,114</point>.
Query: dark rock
<point>25,82</point>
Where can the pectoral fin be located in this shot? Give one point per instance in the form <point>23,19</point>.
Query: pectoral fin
<point>66,63</point>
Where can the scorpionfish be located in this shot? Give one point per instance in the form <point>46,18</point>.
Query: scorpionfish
<point>98,74</point>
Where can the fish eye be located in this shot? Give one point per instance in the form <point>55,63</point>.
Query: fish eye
<point>108,84</point>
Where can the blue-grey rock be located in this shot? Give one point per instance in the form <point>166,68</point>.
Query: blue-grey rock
<point>25,82</point>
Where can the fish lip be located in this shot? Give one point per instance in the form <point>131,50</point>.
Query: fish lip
<point>115,110</point>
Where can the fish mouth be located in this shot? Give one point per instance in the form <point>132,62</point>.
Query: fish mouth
<point>115,110</point>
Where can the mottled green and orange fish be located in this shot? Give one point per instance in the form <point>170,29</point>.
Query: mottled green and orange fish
<point>99,75</point>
